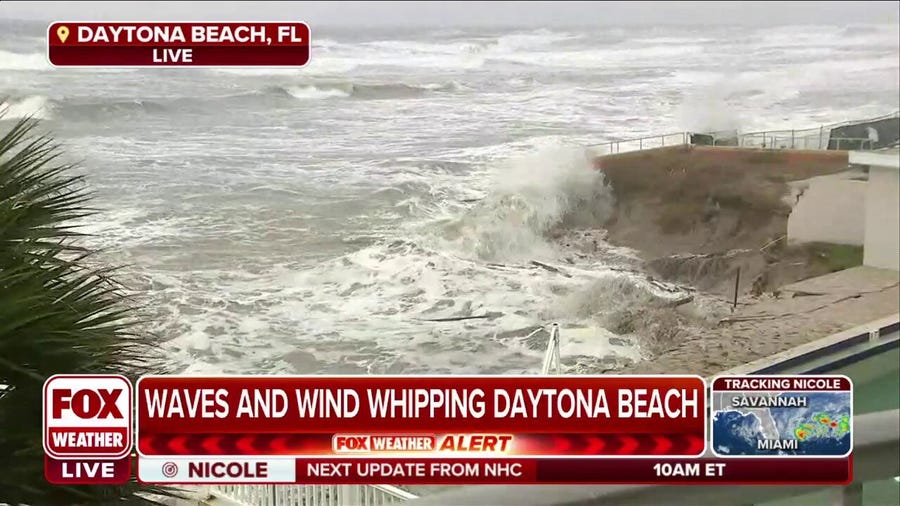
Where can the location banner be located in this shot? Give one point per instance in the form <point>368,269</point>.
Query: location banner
<point>422,416</point>
<point>208,44</point>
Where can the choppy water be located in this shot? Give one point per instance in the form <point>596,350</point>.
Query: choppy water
<point>313,220</point>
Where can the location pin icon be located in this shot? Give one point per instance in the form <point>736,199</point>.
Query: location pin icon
<point>63,33</point>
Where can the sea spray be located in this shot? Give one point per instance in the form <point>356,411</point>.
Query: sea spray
<point>529,197</point>
<point>312,93</point>
<point>709,107</point>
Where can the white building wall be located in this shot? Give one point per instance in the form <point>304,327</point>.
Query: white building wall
<point>829,209</point>
<point>882,239</point>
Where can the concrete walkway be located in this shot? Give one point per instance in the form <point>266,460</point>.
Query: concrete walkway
<point>803,312</point>
<point>799,313</point>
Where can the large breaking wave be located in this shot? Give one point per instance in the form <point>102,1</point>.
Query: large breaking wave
<point>23,61</point>
<point>42,107</point>
<point>361,90</point>
<point>311,221</point>
<point>531,196</point>
<point>89,108</point>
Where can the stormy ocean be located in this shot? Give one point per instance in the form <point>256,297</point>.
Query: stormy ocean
<point>327,219</point>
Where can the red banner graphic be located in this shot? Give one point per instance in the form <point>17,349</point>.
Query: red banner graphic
<point>209,44</point>
<point>367,404</point>
<point>413,416</point>
<point>492,471</point>
<point>527,471</point>
<point>87,471</point>
<point>524,444</point>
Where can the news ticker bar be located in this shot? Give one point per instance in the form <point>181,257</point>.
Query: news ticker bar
<point>451,471</point>
<point>521,471</point>
<point>208,44</point>
<point>470,471</point>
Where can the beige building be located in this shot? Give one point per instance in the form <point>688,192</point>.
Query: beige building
<point>853,207</point>
<point>829,209</point>
<point>881,245</point>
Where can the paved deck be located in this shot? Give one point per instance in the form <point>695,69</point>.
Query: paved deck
<point>804,311</point>
<point>800,313</point>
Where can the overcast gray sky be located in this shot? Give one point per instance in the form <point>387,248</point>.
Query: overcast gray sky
<point>467,13</point>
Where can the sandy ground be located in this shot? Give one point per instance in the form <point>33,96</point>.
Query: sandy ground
<point>705,337</point>
<point>799,313</point>
<point>698,216</point>
<point>795,315</point>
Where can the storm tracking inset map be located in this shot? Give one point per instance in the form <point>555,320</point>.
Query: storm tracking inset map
<point>782,423</point>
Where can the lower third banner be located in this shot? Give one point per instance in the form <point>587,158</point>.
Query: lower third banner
<point>488,471</point>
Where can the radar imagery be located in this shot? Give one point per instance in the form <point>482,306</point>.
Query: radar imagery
<point>814,424</point>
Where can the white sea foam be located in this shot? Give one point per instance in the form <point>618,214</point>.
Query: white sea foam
<point>23,61</point>
<point>35,106</point>
<point>277,226</point>
<point>447,54</point>
<point>238,71</point>
<point>612,57</point>
<point>314,93</point>
<point>326,64</point>
<point>370,310</point>
<point>732,100</point>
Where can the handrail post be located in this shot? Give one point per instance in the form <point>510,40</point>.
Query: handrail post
<point>551,356</point>
<point>556,350</point>
<point>850,495</point>
<point>554,330</point>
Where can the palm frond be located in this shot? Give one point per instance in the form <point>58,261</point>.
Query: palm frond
<point>59,311</point>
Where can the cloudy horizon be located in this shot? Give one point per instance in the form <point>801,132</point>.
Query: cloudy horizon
<point>532,14</point>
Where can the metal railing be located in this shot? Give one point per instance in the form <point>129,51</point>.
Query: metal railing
<point>875,447</point>
<point>348,495</point>
<point>641,143</point>
<point>809,138</point>
<point>310,495</point>
<point>789,139</point>
<point>551,356</point>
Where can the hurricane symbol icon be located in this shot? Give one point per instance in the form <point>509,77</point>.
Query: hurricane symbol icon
<point>169,469</point>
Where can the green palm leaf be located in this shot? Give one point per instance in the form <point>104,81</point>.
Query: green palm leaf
<point>59,312</point>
